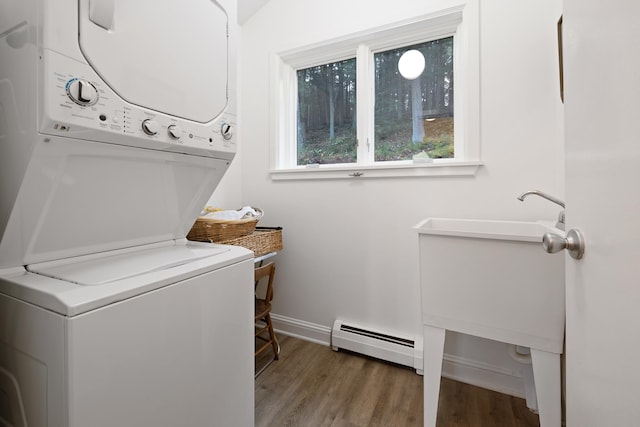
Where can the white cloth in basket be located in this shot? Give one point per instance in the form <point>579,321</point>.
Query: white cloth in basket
<point>245,212</point>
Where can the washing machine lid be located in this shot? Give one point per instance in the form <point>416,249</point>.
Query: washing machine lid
<point>148,268</point>
<point>101,270</point>
<point>169,56</point>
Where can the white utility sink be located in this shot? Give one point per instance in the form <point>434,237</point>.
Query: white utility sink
<point>486,229</point>
<point>493,279</point>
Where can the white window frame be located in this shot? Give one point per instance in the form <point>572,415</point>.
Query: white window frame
<point>461,22</point>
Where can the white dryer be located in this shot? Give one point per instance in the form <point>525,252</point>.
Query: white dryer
<point>117,121</point>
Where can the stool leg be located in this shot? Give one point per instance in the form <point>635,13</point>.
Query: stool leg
<point>433,352</point>
<point>272,335</point>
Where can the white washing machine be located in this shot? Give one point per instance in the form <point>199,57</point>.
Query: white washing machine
<point>117,121</point>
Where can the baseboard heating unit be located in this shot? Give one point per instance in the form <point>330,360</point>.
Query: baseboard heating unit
<point>403,350</point>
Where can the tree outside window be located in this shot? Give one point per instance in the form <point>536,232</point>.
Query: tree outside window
<point>326,114</point>
<point>414,115</point>
<point>410,116</point>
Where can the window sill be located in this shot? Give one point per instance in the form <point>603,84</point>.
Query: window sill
<point>437,168</point>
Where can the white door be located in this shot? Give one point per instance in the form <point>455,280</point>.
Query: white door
<point>602,130</point>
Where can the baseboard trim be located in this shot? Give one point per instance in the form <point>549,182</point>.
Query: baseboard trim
<point>461,369</point>
<point>483,375</point>
<point>303,330</point>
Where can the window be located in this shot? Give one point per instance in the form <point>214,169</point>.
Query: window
<point>344,107</point>
<point>326,114</point>
<point>414,116</point>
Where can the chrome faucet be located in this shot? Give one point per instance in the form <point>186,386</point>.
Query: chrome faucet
<point>560,223</point>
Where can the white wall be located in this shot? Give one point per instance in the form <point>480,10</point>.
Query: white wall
<point>350,251</point>
<point>227,195</point>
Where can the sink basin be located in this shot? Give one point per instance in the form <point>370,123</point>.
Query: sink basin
<point>487,229</point>
<point>492,279</point>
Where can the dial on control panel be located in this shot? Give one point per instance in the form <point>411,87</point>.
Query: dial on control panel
<point>150,127</point>
<point>225,131</point>
<point>82,92</point>
<point>175,131</point>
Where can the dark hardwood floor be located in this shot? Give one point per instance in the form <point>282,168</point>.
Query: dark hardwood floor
<point>313,386</point>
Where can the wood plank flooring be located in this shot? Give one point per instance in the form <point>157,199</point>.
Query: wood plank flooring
<point>313,386</point>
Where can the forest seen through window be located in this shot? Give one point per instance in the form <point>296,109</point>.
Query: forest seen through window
<point>410,116</point>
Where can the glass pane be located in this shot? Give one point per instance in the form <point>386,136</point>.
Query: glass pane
<point>412,116</point>
<point>326,113</point>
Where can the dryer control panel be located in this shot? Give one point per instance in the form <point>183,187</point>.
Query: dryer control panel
<point>78,104</point>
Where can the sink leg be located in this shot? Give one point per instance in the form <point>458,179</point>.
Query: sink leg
<point>433,352</point>
<point>546,375</point>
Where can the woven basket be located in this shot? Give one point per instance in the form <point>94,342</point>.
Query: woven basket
<point>217,230</point>
<point>262,241</point>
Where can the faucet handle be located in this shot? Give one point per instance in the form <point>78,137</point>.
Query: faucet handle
<point>560,223</point>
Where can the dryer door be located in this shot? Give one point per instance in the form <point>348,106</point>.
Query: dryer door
<point>153,54</point>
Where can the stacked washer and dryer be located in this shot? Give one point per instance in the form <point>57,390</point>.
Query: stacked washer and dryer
<point>117,121</point>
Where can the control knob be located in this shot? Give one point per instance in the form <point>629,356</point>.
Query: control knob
<point>225,131</point>
<point>175,131</point>
<point>150,127</point>
<point>82,92</point>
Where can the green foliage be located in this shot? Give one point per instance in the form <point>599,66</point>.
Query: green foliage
<point>439,148</point>
<point>391,129</point>
<point>318,148</point>
<point>404,149</point>
<point>394,140</point>
<point>395,145</point>
<point>403,110</point>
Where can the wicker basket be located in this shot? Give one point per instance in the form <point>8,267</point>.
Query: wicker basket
<point>217,230</point>
<point>262,241</point>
